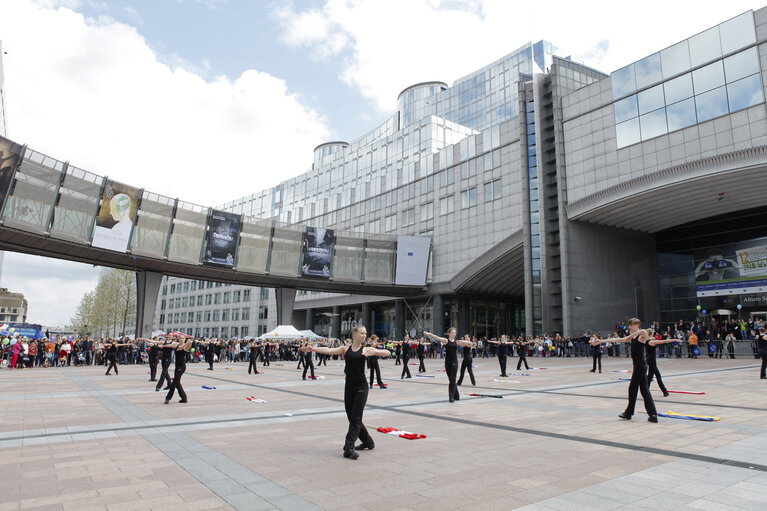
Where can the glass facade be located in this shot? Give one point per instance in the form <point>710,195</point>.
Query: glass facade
<point>688,83</point>
<point>535,238</point>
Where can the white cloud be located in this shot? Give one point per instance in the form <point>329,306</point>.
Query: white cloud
<point>388,46</point>
<point>91,91</point>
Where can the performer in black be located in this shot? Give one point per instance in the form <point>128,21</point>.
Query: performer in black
<point>501,353</point>
<point>182,347</point>
<point>210,351</point>
<point>398,353</point>
<point>375,369</point>
<point>467,362</point>
<point>652,363</point>
<point>267,348</point>
<point>596,355</point>
<point>308,363</point>
<point>111,349</point>
<point>638,339</point>
<point>166,356</point>
<point>356,390</point>
<point>523,353</point>
<point>421,352</point>
<point>451,359</point>
<point>254,352</point>
<point>154,358</point>
<point>405,349</point>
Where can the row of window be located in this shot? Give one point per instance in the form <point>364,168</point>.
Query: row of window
<point>492,191</point>
<point>193,285</point>
<point>208,316</point>
<point>210,299</point>
<point>722,87</point>
<point>699,49</point>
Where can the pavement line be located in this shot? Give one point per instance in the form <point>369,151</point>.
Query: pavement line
<point>239,486</point>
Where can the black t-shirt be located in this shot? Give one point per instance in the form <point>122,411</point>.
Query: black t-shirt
<point>762,342</point>
<point>167,353</point>
<point>501,350</point>
<point>421,350</point>
<point>638,354</point>
<point>112,351</point>
<point>451,351</point>
<point>154,351</point>
<point>467,352</point>
<point>355,367</point>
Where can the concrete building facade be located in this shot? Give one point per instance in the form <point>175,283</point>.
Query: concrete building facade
<point>558,198</point>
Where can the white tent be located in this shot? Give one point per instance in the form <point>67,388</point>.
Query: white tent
<point>282,332</point>
<point>310,335</point>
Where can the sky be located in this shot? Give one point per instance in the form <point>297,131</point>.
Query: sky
<point>211,100</point>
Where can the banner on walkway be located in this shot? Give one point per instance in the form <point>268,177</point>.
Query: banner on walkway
<point>317,252</point>
<point>10,156</point>
<point>412,260</point>
<point>223,237</point>
<point>116,217</point>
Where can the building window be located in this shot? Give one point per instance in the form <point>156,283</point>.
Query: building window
<point>468,198</point>
<point>228,297</point>
<point>264,293</point>
<point>225,315</point>
<point>391,223</point>
<point>446,177</point>
<point>408,217</point>
<point>244,331</point>
<point>246,295</point>
<point>172,288</point>
<point>199,299</point>
<point>446,205</point>
<point>216,315</point>
<point>162,306</point>
<point>193,287</point>
<point>235,314</point>
<point>216,298</point>
<point>374,227</point>
<point>186,286</point>
<point>263,312</point>
<point>426,211</point>
<point>236,296</point>
<point>184,301</point>
<point>207,316</point>
<point>198,316</point>
<point>493,190</point>
<point>246,314</point>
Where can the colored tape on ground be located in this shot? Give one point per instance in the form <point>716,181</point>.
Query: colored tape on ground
<point>254,399</point>
<point>506,381</point>
<point>486,395</point>
<point>425,375</point>
<point>208,388</point>
<point>704,418</point>
<point>686,392</point>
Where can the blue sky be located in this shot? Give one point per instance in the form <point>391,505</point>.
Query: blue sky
<point>211,100</point>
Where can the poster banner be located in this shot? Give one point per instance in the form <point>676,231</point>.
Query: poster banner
<point>317,251</point>
<point>412,260</point>
<point>734,269</point>
<point>10,156</point>
<point>116,217</point>
<point>223,237</point>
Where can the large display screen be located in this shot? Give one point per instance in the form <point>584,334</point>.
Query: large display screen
<point>734,269</point>
<point>412,260</point>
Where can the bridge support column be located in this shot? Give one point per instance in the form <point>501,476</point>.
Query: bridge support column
<point>366,318</point>
<point>147,288</point>
<point>286,299</point>
<point>335,323</point>
<point>399,320</point>
<point>438,315</point>
<point>309,321</point>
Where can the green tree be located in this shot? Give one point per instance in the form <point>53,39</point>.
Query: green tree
<point>109,308</point>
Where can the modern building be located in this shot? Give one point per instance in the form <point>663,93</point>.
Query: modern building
<point>3,126</point>
<point>558,198</point>
<point>13,307</point>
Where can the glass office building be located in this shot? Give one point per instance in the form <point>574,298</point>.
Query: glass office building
<point>558,198</point>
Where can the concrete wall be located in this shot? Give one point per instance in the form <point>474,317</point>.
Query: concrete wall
<point>608,268</point>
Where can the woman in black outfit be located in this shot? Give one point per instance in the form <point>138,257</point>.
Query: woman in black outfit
<point>467,362</point>
<point>375,369</point>
<point>501,353</point>
<point>254,352</point>
<point>111,349</point>
<point>652,363</point>
<point>182,347</point>
<point>356,389</point>
<point>421,352</point>
<point>451,359</point>
<point>308,363</point>
<point>405,351</point>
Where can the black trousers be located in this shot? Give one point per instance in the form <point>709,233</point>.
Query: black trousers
<point>375,369</point>
<point>323,359</point>
<point>355,397</point>
<point>502,362</point>
<point>597,356</point>
<point>522,359</point>
<point>653,372</point>
<point>300,362</point>
<point>252,364</point>
<point>421,366</point>
<point>176,385</point>
<point>265,359</point>
<point>405,368</point>
<point>397,361</point>
<point>112,363</point>
<point>451,368</point>
<point>209,359</point>
<point>153,368</point>
<point>308,364</point>
<point>638,383</point>
<point>164,376</point>
<point>466,364</point>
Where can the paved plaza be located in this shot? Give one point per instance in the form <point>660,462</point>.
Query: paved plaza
<point>74,439</point>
